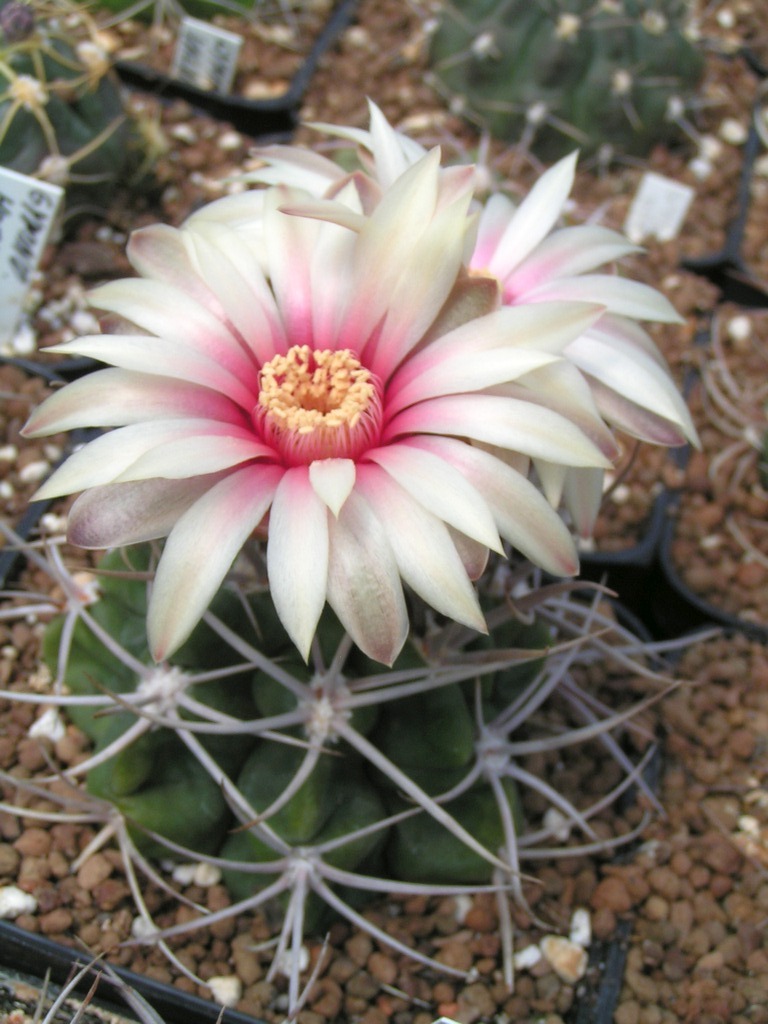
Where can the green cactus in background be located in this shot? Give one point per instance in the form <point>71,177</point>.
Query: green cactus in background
<point>62,118</point>
<point>608,76</point>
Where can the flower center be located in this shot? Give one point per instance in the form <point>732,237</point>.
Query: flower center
<point>318,405</point>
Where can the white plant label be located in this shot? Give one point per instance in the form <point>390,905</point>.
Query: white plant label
<point>27,211</point>
<point>206,56</point>
<point>658,209</point>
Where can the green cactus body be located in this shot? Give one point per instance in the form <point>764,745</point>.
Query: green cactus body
<point>62,117</point>
<point>421,850</point>
<point>336,800</point>
<point>429,735</point>
<point>179,800</point>
<point>156,10</point>
<point>574,72</point>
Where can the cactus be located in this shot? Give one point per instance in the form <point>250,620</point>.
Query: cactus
<point>318,783</point>
<point>612,76</point>
<point>61,114</point>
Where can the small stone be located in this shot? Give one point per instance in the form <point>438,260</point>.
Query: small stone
<point>94,871</point>
<point>226,989</point>
<point>612,894</point>
<point>14,902</point>
<point>568,960</point>
<point>34,842</point>
<point>383,968</point>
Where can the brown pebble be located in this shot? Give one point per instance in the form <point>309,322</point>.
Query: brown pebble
<point>94,871</point>
<point>9,859</point>
<point>56,921</point>
<point>721,855</point>
<point>475,1003</point>
<point>34,842</point>
<point>382,967</point>
<point>455,954</point>
<point>612,894</point>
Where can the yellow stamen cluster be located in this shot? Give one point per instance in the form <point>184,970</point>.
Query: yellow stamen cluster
<point>311,403</point>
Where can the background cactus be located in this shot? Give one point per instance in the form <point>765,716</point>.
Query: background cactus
<point>62,117</point>
<point>615,74</point>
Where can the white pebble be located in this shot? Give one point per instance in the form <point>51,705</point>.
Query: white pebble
<point>206,875</point>
<point>9,453</point>
<point>700,168</point>
<point>710,147</point>
<point>733,132</point>
<point>34,471</point>
<point>230,140</point>
<point>51,522</point>
<point>48,726</point>
<point>184,874</point>
<point>196,874</point>
<point>462,904</point>
<point>739,328</point>
<point>527,957</point>
<point>84,322</point>
<point>581,928</point>
<point>184,133</point>
<point>14,901</point>
<point>557,824</point>
<point>142,929</point>
<point>568,960</point>
<point>24,341</point>
<point>226,989</point>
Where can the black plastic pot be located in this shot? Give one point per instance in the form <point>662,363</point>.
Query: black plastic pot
<point>726,269</point>
<point>686,609</point>
<point>630,573</point>
<point>255,118</point>
<point>35,956</point>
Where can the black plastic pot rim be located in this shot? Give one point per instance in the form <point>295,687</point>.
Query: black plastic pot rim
<point>256,118</point>
<point>36,955</point>
<point>702,609</point>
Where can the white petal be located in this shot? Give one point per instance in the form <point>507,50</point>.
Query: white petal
<point>112,398</point>
<point>583,495</point>
<point>632,375</point>
<point>440,489</point>
<point>119,514</point>
<point>534,217</point>
<point>296,167</point>
<point>566,253</point>
<point>170,314</point>
<point>618,294</point>
<point>112,456</point>
<point>523,516</point>
<point>235,274</point>
<point>200,550</point>
<point>332,480</point>
<point>364,586</point>
<point>426,275</point>
<point>297,556</point>
<point>525,427</point>
<point>490,350</point>
<point>164,358</point>
<point>425,554</point>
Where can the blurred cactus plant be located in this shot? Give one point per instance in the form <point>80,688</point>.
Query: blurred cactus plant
<point>62,118</point>
<point>612,77</point>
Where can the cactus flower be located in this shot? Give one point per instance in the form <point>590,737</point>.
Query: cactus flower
<point>338,387</point>
<point>533,260</point>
